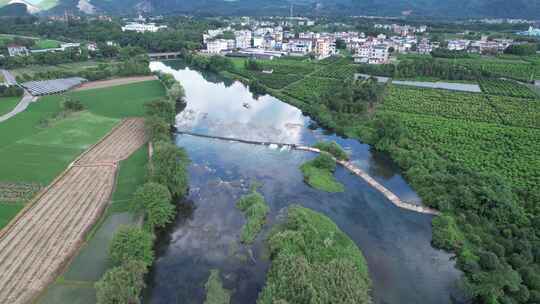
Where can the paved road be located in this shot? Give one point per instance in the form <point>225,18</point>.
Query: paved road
<point>26,100</point>
<point>10,79</point>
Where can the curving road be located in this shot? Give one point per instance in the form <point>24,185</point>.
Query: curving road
<point>26,100</point>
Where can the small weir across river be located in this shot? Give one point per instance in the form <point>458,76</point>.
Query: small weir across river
<point>346,164</point>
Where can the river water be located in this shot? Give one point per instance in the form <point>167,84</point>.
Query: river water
<point>396,243</point>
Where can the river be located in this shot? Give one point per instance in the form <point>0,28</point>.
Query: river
<point>396,243</point>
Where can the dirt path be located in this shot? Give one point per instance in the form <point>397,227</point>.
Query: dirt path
<point>46,234</point>
<point>112,82</point>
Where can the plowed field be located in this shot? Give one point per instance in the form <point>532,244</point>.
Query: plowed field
<point>36,244</point>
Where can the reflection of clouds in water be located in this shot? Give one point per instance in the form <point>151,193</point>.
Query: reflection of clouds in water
<point>221,110</point>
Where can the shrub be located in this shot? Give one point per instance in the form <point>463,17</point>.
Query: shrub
<point>215,293</point>
<point>121,284</point>
<point>161,108</point>
<point>72,105</point>
<point>154,200</point>
<point>132,244</point>
<point>333,148</point>
<point>255,209</point>
<point>156,129</point>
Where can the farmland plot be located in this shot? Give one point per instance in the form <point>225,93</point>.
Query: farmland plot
<point>42,239</point>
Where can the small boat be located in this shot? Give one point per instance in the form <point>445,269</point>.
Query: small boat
<point>246,105</point>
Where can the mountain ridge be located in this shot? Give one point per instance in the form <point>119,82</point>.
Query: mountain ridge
<point>431,8</point>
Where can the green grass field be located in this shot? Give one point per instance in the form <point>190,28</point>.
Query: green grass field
<point>42,154</point>
<point>121,101</point>
<point>46,44</point>
<point>8,211</point>
<point>132,175</point>
<point>7,104</point>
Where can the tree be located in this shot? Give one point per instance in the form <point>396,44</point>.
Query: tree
<point>122,284</point>
<point>169,168</point>
<point>340,44</point>
<point>161,108</point>
<point>156,129</point>
<point>154,200</point>
<point>132,244</point>
<point>176,93</point>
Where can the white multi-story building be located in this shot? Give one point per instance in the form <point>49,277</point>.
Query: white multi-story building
<point>300,46</point>
<point>258,41</point>
<point>17,50</point>
<point>372,54</point>
<point>243,39</point>
<point>217,46</point>
<point>142,27</point>
<point>458,45</point>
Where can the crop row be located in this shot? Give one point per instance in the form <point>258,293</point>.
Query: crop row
<point>337,71</point>
<point>517,111</point>
<point>508,151</point>
<point>465,106</point>
<point>310,89</point>
<point>506,88</point>
<point>520,71</point>
<point>47,234</point>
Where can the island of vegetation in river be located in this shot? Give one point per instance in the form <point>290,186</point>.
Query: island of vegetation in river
<point>319,173</point>
<point>255,210</point>
<point>313,261</point>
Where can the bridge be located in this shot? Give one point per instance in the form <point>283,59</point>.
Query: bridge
<point>166,55</point>
<point>346,164</point>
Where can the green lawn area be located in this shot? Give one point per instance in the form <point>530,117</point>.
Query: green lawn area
<point>132,175</point>
<point>46,44</point>
<point>8,211</point>
<point>121,101</point>
<point>8,103</point>
<point>42,154</point>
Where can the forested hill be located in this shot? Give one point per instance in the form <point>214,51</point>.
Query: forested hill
<point>434,8</point>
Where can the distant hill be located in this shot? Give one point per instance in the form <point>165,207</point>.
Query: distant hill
<point>13,10</point>
<point>434,8</point>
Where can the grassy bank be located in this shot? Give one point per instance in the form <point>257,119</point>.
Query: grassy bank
<point>313,261</point>
<point>319,174</point>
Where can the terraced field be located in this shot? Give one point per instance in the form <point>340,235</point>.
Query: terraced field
<point>42,239</point>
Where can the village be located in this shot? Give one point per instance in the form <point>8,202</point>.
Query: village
<point>269,39</point>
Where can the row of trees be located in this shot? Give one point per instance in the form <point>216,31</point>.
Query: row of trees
<point>167,181</point>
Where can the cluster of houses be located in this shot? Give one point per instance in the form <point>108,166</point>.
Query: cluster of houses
<point>262,40</point>
<point>19,50</point>
<point>403,30</point>
<point>480,46</point>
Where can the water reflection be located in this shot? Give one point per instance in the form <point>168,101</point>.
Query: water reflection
<point>403,265</point>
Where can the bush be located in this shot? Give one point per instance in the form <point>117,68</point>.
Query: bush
<point>157,129</point>
<point>154,200</point>
<point>122,284</point>
<point>72,105</point>
<point>132,244</point>
<point>169,164</point>
<point>255,209</point>
<point>333,148</point>
<point>11,91</point>
<point>325,162</point>
<point>161,108</point>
